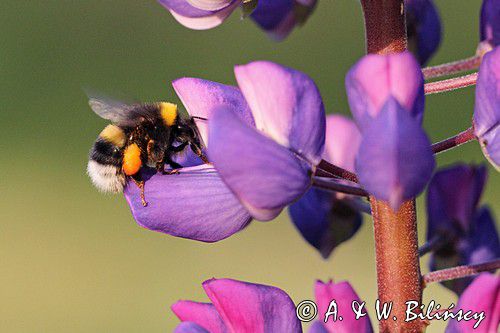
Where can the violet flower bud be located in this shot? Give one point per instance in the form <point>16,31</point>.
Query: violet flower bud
<point>386,95</point>
<point>490,22</point>
<point>327,219</point>
<point>462,233</point>
<point>424,28</point>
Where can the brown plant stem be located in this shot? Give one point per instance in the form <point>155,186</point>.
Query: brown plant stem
<point>454,67</point>
<point>454,141</point>
<point>460,272</point>
<point>450,84</point>
<point>396,242</point>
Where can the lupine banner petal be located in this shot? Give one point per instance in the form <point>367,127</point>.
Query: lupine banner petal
<point>286,105</point>
<point>194,204</point>
<point>395,160</point>
<point>374,78</point>
<point>263,174</point>
<point>201,97</point>
<point>248,307</point>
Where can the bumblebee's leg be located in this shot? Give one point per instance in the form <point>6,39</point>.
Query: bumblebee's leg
<point>197,150</point>
<point>174,165</point>
<point>140,184</point>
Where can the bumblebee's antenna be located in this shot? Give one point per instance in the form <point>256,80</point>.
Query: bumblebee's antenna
<point>200,118</point>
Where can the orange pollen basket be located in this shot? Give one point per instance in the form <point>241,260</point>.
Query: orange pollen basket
<point>132,160</point>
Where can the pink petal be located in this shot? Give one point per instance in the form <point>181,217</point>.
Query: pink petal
<point>248,307</point>
<point>202,314</point>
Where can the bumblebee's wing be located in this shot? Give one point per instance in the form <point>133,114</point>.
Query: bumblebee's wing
<point>118,113</point>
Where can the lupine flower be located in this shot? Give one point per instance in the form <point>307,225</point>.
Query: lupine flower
<point>462,233</point>
<point>238,307</point>
<point>323,218</point>
<point>386,95</point>
<point>424,28</point>
<point>270,165</point>
<point>487,108</point>
<point>482,295</point>
<point>276,17</point>
<point>194,204</point>
<point>344,295</point>
<point>490,22</point>
<point>265,169</point>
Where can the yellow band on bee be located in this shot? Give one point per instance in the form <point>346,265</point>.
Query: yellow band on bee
<point>168,113</point>
<point>114,135</point>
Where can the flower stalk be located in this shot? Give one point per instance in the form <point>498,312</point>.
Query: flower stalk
<point>396,242</point>
<point>454,141</point>
<point>450,84</point>
<point>460,272</point>
<point>331,185</point>
<point>454,67</point>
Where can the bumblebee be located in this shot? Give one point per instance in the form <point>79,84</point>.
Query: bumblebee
<point>140,135</point>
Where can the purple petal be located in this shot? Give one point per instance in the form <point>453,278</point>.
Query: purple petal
<point>248,307</point>
<point>342,141</point>
<point>286,106</point>
<point>195,18</point>
<point>373,79</point>
<point>188,327</point>
<point>276,17</point>
<point>395,159</point>
<point>482,295</point>
<point>324,221</point>
<point>490,22</point>
<point>485,242</point>
<point>194,204</point>
<point>202,314</point>
<point>201,97</point>
<point>344,295</point>
<point>487,108</point>
<point>210,4</point>
<point>480,243</point>
<point>263,174</point>
<point>424,28</point>
<point>452,198</point>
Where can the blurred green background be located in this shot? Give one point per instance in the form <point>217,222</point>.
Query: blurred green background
<point>72,259</point>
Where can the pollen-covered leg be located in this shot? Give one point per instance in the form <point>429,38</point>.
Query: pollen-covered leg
<point>140,184</point>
